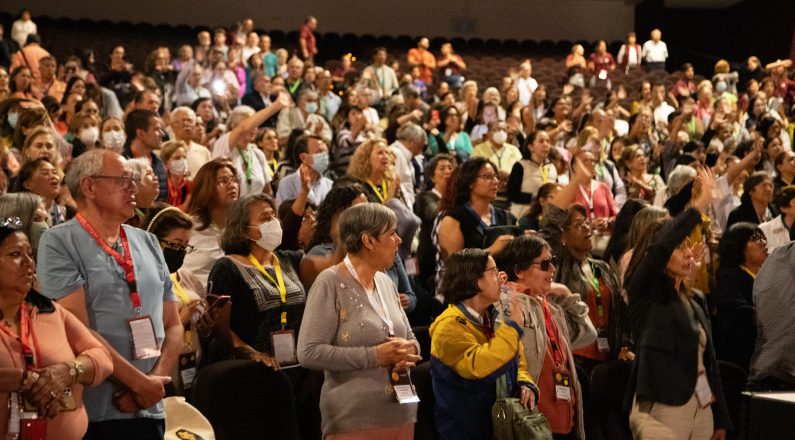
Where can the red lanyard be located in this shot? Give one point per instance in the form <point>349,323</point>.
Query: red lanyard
<point>25,338</point>
<point>125,261</point>
<point>552,334</point>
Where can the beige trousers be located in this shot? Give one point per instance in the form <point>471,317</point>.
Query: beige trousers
<point>658,421</point>
<point>404,432</point>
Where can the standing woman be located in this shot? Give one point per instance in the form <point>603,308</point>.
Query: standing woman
<point>449,136</point>
<point>675,386</point>
<point>556,323</point>
<point>470,350</point>
<point>215,188</point>
<point>530,173</point>
<point>21,83</point>
<point>640,184</point>
<point>437,171</point>
<point>354,329</point>
<point>38,176</point>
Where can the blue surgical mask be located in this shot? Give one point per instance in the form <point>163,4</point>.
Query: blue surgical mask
<point>12,119</point>
<point>320,162</point>
<point>311,107</point>
<point>721,87</point>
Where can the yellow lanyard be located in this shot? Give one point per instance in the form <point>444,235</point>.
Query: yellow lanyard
<point>275,166</point>
<point>183,296</point>
<point>544,173</point>
<point>748,271</point>
<point>382,194</point>
<point>278,283</point>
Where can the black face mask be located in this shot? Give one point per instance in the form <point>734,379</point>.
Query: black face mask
<point>174,258</point>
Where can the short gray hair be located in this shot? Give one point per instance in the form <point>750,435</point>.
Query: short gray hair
<point>234,239</point>
<point>307,93</point>
<point>140,166</point>
<point>88,164</point>
<point>238,115</point>
<point>22,205</point>
<point>366,218</point>
<point>183,109</point>
<point>679,177</point>
<point>413,133</point>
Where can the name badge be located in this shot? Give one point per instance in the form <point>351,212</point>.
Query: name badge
<point>187,369</point>
<point>412,266</point>
<point>703,391</point>
<point>602,343</point>
<point>404,388</point>
<point>283,343</point>
<point>144,342</point>
<point>562,386</point>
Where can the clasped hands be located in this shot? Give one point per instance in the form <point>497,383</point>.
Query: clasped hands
<point>397,353</point>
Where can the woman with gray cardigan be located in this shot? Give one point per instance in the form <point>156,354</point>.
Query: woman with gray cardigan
<point>354,329</point>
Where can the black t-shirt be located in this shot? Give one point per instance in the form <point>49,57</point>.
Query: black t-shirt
<point>472,227</point>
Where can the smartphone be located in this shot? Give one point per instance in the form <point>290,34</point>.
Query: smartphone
<point>220,301</point>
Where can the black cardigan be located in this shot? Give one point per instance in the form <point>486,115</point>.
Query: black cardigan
<point>665,369</point>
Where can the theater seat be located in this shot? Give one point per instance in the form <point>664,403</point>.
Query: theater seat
<point>608,385</point>
<point>244,399</point>
<point>425,429</point>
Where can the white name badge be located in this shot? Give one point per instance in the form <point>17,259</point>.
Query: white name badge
<point>187,368</point>
<point>562,392</point>
<point>703,391</point>
<point>602,344</point>
<point>144,342</point>
<point>404,389</point>
<point>284,347</point>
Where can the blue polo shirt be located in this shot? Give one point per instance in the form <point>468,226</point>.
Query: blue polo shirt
<point>69,258</point>
<point>158,167</point>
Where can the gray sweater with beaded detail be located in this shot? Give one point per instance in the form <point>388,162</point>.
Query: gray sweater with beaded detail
<point>339,334</point>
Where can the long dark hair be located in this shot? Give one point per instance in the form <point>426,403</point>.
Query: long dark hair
<point>645,241</point>
<point>620,236</point>
<point>463,177</point>
<point>543,192</point>
<point>203,195</point>
<point>732,245</point>
<point>337,200</point>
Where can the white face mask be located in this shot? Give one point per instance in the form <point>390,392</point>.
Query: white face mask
<point>271,232</point>
<point>500,137</point>
<point>179,166</point>
<point>89,136</point>
<point>113,140</point>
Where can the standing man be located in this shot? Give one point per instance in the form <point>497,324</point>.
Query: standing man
<point>23,27</point>
<point>49,84</point>
<point>183,123</point>
<point>411,142</point>
<point>114,278</point>
<point>383,76</point>
<point>312,154</point>
<point>655,52</point>
<point>306,38</point>
<point>144,130</point>
<point>420,56</point>
<point>30,56</point>
<point>293,83</point>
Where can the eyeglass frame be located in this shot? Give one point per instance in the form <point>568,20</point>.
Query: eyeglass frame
<point>188,248</point>
<point>124,181</point>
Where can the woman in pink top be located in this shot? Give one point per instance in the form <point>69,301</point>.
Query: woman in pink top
<point>598,201</point>
<point>45,352</point>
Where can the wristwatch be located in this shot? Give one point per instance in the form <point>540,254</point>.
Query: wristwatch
<point>76,369</point>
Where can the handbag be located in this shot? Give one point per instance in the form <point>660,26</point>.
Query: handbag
<point>512,421</point>
<point>184,421</point>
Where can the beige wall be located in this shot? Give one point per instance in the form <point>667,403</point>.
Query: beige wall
<point>519,19</point>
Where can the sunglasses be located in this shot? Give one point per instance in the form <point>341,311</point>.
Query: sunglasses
<point>545,264</point>
<point>11,223</point>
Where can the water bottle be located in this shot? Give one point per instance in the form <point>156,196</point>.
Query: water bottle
<point>506,300</point>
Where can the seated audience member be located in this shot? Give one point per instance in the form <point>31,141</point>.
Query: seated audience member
<point>531,217</point>
<point>27,208</point>
<point>237,146</point>
<point>670,324</point>
<point>313,156</point>
<point>774,286</point>
<point>111,132</point>
<point>742,251</point>
<point>183,125</point>
<point>173,228</point>
<point>448,136</point>
<point>371,166</point>
<point>548,348</point>
<point>260,97</point>
<point>84,131</point>
<point>471,353</point>
<point>360,347</point>
<point>531,172</point>
<point>350,136</point>
<point>268,142</point>
<point>755,203</point>
<point>496,148</point>
<point>781,230</point>
<point>640,184</point>
<point>437,173</point>
<point>110,291</point>
<point>67,359</point>
<point>39,177</point>
<point>567,229</point>
<point>147,189</point>
<point>784,164</point>
<point>304,114</point>
<point>215,187</point>
<point>40,143</point>
<point>144,130</point>
<point>174,155</point>
<point>188,87</point>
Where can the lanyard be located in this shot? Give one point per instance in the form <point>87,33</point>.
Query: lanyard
<point>274,166</point>
<point>588,200</point>
<point>294,86</point>
<point>385,316</point>
<point>382,193</point>
<point>25,337</point>
<point>498,156</point>
<point>247,163</point>
<point>552,334</point>
<point>748,271</point>
<point>477,216</point>
<point>183,296</point>
<point>278,283</point>
<point>544,173</point>
<point>125,261</point>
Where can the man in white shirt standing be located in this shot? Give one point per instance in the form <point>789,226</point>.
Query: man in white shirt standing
<point>22,28</point>
<point>411,141</point>
<point>780,231</point>
<point>526,84</point>
<point>655,52</point>
<point>383,78</point>
<point>183,121</point>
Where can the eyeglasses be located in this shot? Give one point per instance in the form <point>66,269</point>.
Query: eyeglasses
<point>178,246</point>
<point>227,181</point>
<point>123,181</point>
<point>488,176</point>
<point>585,225</point>
<point>11,222</point>
<point>545,264</point>
<point>758,237</point>
<point>495,271</point>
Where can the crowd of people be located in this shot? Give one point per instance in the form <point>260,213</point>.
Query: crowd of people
<point>239,201</point>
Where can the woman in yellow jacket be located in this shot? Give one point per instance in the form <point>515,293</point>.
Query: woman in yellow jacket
<point>470,350</point>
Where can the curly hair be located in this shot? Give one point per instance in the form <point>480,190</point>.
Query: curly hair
<point>359,166</point>
<point>463,177</point>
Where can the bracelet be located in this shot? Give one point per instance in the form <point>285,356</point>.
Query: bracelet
<point>22,379</point>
